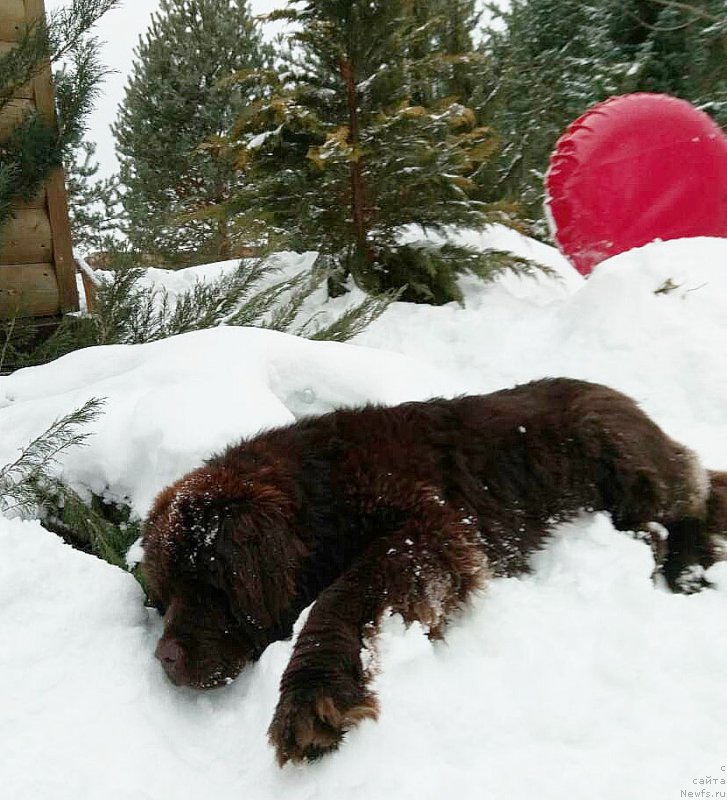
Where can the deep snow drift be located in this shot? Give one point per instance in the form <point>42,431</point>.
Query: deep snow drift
<point>580,680</point>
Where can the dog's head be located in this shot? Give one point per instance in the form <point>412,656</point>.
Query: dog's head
<point>220,561</point>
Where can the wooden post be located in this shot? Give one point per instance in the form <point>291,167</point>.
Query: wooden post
<point>37,271</point>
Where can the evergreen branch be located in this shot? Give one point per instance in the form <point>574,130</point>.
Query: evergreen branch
<point>495,261</point>
<point>19,479</point>
<point>83,525</point>
<point>207,305</point>
<point>48,40</point>
<point>283,317</point>
<point>357,318</point>
<point>25,60</point>
<point>8,182</point>
<point>8,332</point>
<point>688,8</point>
<point>30,152</point>
<point>77,86</point>
<point>67,26</point>
<point>263,301</point>
<point>117,300</point>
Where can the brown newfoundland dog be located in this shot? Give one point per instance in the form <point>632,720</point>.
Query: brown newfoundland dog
<point>410,508</point>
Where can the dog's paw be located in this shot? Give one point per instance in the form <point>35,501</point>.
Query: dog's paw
<point>307,725</point>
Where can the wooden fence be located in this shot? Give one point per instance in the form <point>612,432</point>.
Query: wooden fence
<point>37,271</point>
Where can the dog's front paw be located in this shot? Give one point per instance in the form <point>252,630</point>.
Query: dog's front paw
<point>309,723</point>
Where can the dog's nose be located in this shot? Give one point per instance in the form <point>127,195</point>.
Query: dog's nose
<point>171,656</point>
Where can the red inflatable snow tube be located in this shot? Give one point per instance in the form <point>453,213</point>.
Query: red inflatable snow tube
<point>633,169</point>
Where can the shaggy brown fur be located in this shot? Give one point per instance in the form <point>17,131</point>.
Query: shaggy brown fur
<point>408,508</point>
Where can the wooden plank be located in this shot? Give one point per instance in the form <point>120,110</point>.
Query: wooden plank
<point>34,9</point>
<point>11,28</point>
<point>28,290</point>
<point>27,238</point>
<point>55,187</point>
<point>62,241</point>
<point>12,20</point>
<point>12,114</point>
<point>35,202</point>
<point>89,290</point>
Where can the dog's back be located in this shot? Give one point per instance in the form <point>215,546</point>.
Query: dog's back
<point>516,462</point>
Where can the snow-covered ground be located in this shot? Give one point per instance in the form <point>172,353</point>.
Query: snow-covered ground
<point>581,680</point>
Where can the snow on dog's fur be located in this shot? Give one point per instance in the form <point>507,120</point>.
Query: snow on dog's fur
<point>409,508</point>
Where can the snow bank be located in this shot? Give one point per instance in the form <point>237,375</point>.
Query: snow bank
<point>580,680</point>
<point>172,403</point>
<point>624,326</point>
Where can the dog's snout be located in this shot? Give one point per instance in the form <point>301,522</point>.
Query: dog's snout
<point>171,656</point>
<point>168,651</point>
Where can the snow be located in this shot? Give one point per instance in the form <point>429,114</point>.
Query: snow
<point>171,403</point>
<point>582,679</point>
<point>256,142</point>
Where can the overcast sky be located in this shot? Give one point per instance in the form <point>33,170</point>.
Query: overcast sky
<point>120,31</point>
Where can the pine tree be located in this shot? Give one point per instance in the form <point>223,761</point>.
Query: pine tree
<point>359,140</point>
<point>34,147</point>
<point>175,104</point>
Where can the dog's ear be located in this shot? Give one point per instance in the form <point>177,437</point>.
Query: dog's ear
<point>263,555</point>
<point>192,523</point>
<point>182,530</point>
<point>238,533</point>
<point>158,546</point>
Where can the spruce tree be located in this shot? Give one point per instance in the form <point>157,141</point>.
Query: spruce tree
<point>176,103</point>
<point>359,141</point>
